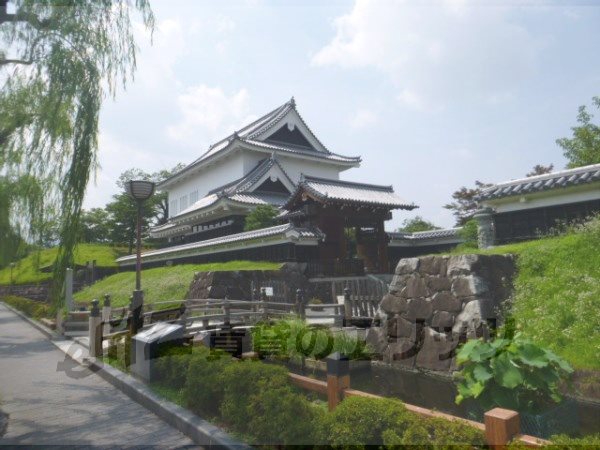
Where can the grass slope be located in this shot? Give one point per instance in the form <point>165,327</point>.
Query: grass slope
<point>161,283</point>
<point>557,293</point>
<point>26,270</point>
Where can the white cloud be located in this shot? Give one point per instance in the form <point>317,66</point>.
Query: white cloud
<point>435,52</point>
<point>363,118</point>
<point>209,114</point>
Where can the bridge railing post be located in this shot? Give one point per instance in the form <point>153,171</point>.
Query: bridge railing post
<point>106,313</point>
<point>501,426</point>
<point>300,305</point>
<point>347,307</point>
<point>95,331</point>
<point>338,378</point>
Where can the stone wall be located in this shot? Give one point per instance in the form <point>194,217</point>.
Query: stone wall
<point>38,292</point>
<point>237,285</point>
<point>435,302</point>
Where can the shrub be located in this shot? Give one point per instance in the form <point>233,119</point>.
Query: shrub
<point>510,373</point>
<point>172,366</point>
<point>243,380</point>
<point>119,352</point>
<point>436,433</point>
<point>204,387</point>
<point>31,308</point>
<point>363,421</point>
<point>295,338</point>
<point>280,416</point>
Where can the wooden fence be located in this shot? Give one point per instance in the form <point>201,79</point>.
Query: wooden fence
<point>500,426</point>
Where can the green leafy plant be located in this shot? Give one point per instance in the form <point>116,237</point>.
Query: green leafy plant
<point>511,373</point>
<point>294,339</point>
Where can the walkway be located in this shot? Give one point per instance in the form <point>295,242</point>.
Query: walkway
<point>50,406</point>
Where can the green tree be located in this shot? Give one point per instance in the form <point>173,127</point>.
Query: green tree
<point>60,58</point>
<point>465,202</point>
<point>263,216</point>
<point>417,223</point>
<point>122,212</point>
<point>95,226</point>
<point>584,147</point>
<point>159,200</point>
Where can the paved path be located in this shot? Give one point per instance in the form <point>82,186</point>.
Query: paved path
<point>46,406</point>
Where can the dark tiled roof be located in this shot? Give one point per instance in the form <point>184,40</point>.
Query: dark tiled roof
<point>348,192</point>
<point>425,235</point>
<point>286,230</point>
<point>249,133</point>
<point>555,180</point>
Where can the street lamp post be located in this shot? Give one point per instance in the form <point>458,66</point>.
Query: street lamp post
<point>140,191</point>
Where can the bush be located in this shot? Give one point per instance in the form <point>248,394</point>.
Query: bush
<point>31,308</point>
<point>510,373</point>
<point>280,416</point>
<point>436,433</point>
<point>119,352</point>
<point>172,366</point>
<point>363,421</point>
<point>204,388</point>
<point>244,380</point>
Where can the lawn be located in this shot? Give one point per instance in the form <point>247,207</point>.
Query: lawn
<point>557,293</point>
<point>27,271</point>
<point>161,283</point>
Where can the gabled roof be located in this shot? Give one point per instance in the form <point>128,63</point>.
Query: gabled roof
<point>231,242</point>
<point>337,191</point>
<point>539,183</point>
<point>251,137</point>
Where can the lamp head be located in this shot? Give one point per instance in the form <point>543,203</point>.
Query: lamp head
<point>140,190</point>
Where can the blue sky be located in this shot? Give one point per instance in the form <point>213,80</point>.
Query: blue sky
<point>433,95</point>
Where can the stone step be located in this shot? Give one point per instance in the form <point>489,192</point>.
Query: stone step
<point>75,334</point>
<point>78,315</point>
<point>71,325</point>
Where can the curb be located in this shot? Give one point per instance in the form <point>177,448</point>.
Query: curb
<point>198,429</point>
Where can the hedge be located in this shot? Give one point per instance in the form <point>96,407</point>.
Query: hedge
<point>31,308</point>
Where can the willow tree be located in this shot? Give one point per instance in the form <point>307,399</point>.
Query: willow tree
<point>59,60</point>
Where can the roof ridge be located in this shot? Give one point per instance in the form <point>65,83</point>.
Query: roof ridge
<point>308,178</point>
<point>547,176</point>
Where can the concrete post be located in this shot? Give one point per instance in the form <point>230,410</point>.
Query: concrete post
<point>106,312</point>
<point>70,305</point>
<point>347,307</point>
<point>95,332</point>
<point>338,378</point>
<point>486,235</point>
<point>300,306</point>
<point>501,426</point>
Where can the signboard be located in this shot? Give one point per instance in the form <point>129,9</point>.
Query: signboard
<point>269,291</point>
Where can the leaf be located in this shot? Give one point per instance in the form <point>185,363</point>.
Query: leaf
<point>532,355</point>
<point>477,389</point>
<point>506,373</point>
<point>464,354</point>
<point>481,373</point>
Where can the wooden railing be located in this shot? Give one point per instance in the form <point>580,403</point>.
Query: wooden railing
<point>500,426</point>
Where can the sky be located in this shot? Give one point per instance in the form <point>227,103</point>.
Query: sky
<point>432,94</point>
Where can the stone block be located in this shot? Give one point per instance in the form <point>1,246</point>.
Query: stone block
<point>398,282</point>
<point>438,283</point>
<point>466,286</point>
<point>462,264</point>
<point>432,265</point>
<point>419,309</point>
<point>407,265</point>
<point>377,340</point>
<point>415,287</point>
<point>436,351</point>
<point>473,314</point>
<point>442,320</point>
<point>445,301</point>
<point>399,327</point>
<point>402,351</point>
<point>392,304</point>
